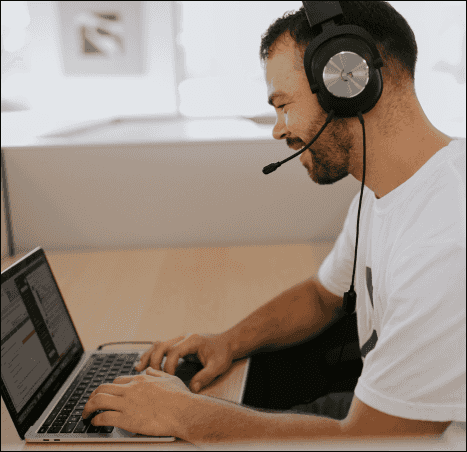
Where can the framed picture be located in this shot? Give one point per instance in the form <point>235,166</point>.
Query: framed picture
<point>101,38</point>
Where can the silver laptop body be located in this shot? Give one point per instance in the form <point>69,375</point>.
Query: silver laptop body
<point>42,357</point>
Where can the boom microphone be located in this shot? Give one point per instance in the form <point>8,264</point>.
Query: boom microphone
<point>273,166</point>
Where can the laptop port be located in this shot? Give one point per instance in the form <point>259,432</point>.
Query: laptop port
<point>45,440</point>
<point>56,440</point>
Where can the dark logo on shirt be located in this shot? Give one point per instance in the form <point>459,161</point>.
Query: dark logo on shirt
<point>370,343</point>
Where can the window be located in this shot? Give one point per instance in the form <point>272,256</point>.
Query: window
<point>220,71</point>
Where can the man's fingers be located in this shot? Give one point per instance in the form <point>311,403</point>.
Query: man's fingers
<point>172,362</point>
<point>155,361</point>
<point>146,358</point>
<point>203,377</point>
<point>157,357</point>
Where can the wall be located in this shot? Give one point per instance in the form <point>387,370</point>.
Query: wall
<point>189,194</point>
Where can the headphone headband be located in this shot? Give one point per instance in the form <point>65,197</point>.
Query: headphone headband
<point>319,12</point>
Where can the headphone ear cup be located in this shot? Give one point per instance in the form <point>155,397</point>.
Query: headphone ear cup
<point>346,106</point>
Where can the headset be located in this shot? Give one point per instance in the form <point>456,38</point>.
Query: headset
<point>343,67</point>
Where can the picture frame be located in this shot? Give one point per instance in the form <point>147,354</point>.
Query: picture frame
<point>101,38</point>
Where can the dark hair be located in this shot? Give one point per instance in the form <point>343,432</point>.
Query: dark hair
<point>394,38</point>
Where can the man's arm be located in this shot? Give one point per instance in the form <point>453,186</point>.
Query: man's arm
<point>364,421</point>
<point>292,317</point>
<point>212,421</point>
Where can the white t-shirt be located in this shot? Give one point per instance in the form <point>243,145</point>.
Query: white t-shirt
<point>410,282</point>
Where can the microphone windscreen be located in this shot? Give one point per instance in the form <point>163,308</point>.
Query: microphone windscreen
<point>270,168</point>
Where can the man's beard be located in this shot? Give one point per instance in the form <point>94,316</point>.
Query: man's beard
<point>325,170</point>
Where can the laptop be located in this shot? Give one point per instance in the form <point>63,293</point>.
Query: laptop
<point>47,376</point>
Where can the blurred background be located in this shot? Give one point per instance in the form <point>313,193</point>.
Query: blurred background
<point>146,124</point>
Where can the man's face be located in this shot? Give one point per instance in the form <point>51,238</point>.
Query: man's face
<point>300,117</point>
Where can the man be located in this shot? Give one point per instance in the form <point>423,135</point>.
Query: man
<point>410,280</point>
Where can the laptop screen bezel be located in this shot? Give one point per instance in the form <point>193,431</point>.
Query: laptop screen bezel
<point>36,412</point>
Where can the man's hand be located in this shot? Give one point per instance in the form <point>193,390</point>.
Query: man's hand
<point>152,404</point>
<point>213,351</point>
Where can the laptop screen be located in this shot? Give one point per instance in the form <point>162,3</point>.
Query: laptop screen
<point>38,339</point>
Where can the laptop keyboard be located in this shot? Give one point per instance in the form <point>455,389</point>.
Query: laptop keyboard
<point>66,416</point>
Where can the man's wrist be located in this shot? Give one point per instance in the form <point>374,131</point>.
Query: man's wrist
<point>184,421</point>
<point>212,420</point>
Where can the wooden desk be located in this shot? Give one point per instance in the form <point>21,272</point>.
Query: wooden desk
<point>148,295</point>
<point>158,294</point>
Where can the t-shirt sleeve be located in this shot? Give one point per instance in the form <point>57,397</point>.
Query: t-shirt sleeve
<point>335,273</point>
<point>417,369</point>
